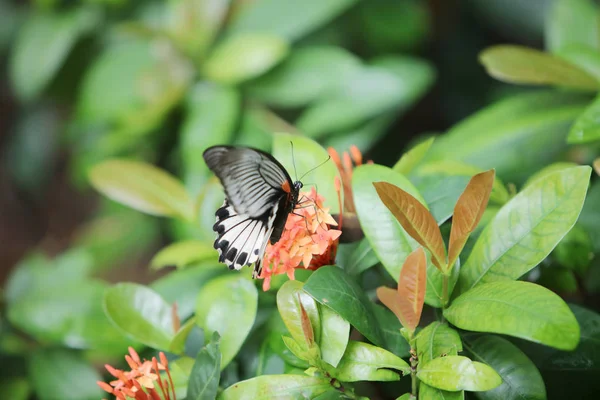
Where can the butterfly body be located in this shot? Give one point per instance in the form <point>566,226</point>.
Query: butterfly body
<point>259,196</point>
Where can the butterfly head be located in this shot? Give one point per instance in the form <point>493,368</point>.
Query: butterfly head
<point>297,186</point>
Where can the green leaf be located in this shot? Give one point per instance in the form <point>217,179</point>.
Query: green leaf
<point>587,126</point>
<point>42,45</point>
<point>287,19</point>
<point>427,392</point>
<point>236,298</point>
<point>365,362</point>
<point>193,24</point>
<point>590,215</point>
<point>572,22</point>
<point>584,57</point>
<point>245,56</point>
<point>276,387</point>
<point>520,309</point>
<point>182,254</point>
<point>441,193</point>
<point>518,64</point>
<point>182,287</point>
<point>437,340</point>
<point>204,379</point>
<point>48,369</point>
<point>413,157</point>
<point>333,288</point>
<point>70,314</point>
<point>454,373</point>
<point>143,187</point>
<point>177,345</point>
<point>141,313</point>
<point>527,228</point>
<point>547,170</point>
<point>307,154</point>
<point>111,94</point>
<point>212,112</point>
<point>520,378</point>
<point>288,304</point>
<point>389,240</point>
<point>335,332</point>
<point>535,121</point>
<point>369,92</point>
<point>305,76</point>
<point>360,259</point>
<point>15,388</point>
<point>435,282</point>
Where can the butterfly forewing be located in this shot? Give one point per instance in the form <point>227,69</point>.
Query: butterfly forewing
<point>259,197</point>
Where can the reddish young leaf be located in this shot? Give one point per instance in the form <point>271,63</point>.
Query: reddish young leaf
<point>416,220</point>
<point>468,212</point>
<point>597,165</point>
<point>390,298</point>
<point>411,287</point>
<point>307,329</point>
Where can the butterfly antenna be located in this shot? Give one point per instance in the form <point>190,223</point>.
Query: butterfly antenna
<point>294,161</point>
<point>312,169</point>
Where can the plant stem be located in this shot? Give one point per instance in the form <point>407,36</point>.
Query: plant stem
<point>444,293</point>
<point>414,361</point>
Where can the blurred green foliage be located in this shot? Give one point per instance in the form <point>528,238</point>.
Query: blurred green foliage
<point>157,82</point>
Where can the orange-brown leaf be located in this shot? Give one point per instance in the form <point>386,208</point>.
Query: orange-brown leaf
<point>390,298</point>
<point>597,165</point>
<point>411,287</point>
<point>468,212</point>
<point>416,220</point>
<point>307,329</point>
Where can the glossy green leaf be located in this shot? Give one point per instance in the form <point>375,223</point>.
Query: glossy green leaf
<point>193,24</point>
<point>389,240</point>
<point>437,340</point>
<point>182,254</point>
<point>69,313</point>
<point>288,304</point>
<point>590,215</point>
<point>390,328</point>
<point>245,56</point>
<point>450,168</point>
<point>211,118</point>
<point>547,170</point>
<point>49,367</point>
<point>308,154</point>
<point>587,126</point>
<point>441,193</point>
<point>305,76</point>
<point>140,313</point>
<point>427,392</point>
<point>181,369</point>
<point>520,378</point>
<point>181,287</point>
<point>413,157</point>
<point>527,228</point>
<point>454,373</point>
<point>584,57</point>
<point>363,136</point>
<point>523,65</point>
<point>333,288</point>
<point>43,43</point>
<point>335,333</point>
<point>360,259</point>
<point>370,92</point>
<point>143,187</point>
<point>537,122</point>
<point>572,22</point>
<point>204,379</point>
<point>236,298</point>
<point>435,282</point>
<point>287,19</point>
<point>268,387</point>
<point>520,309</point>
<point>177,345</point>
<point>365,362</point>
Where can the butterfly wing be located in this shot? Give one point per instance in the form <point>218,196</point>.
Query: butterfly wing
<point>253,180</point>
<point>254,183</point>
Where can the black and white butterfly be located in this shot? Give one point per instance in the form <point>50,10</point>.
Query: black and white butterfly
<point>259,196</point>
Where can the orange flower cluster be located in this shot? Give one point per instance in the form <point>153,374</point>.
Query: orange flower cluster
<point>306,239</point>
<point>142,381</point>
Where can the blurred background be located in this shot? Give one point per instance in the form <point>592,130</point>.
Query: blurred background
<point>159,81</point>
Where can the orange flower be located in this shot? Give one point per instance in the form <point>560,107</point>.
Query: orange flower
<point>305,240</point>
<point>140,383</point>
<point>345,166</point>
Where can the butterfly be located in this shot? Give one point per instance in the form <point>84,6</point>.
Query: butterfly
<point>259,196</point>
